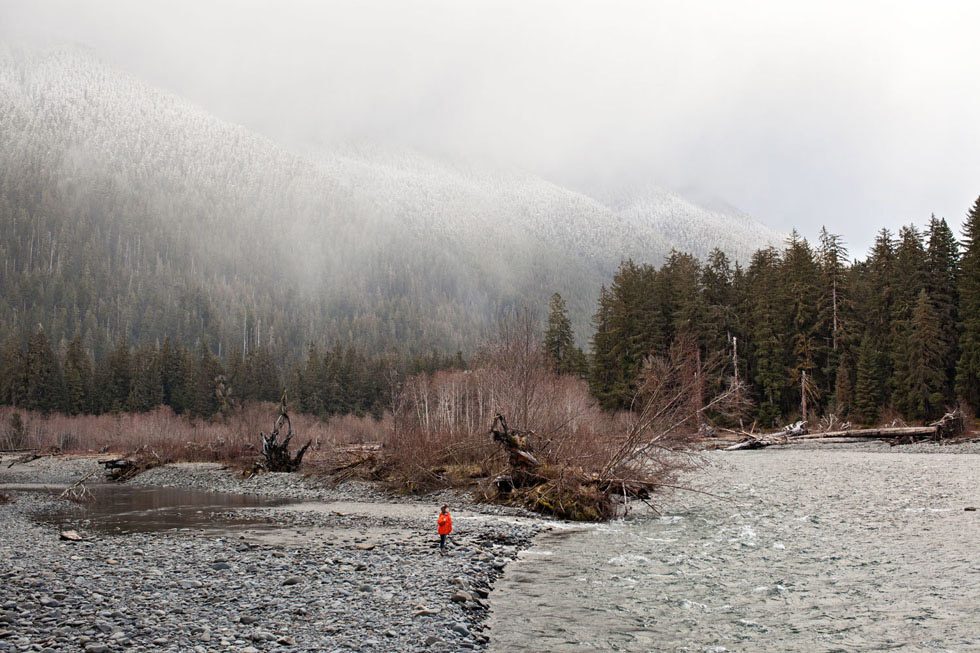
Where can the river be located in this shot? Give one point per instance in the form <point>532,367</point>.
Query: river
<point>800,550</point>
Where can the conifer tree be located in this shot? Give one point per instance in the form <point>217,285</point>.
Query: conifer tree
<point>867,388</point>
<point>919,391</point>
<point>117,383</point>
<point>78,379</point>
<point>309,381</point>
<point>909,280</point>
<point>559,341</point>
<point>679,300</point>
<point>45,384</point>
<point>208,376</point>
<point>942,268</point>
<point>877,298</point>
<point>147,387</point>
<point>799,275</point>
<point>13,371</point>
<point>843,387</point>
<point>968,367</point>
<point>603,371</point>
<point>769,326</point>
<point>833,324</point>
<point>176,377</point>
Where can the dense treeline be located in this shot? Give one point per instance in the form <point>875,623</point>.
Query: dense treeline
<point>899,331</point>
<point>896,333</point>
<point>338,381</point>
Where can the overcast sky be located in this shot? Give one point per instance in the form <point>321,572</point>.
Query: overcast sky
<point>855,115</point>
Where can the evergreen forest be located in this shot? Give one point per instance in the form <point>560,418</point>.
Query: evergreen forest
<point>894,335</point>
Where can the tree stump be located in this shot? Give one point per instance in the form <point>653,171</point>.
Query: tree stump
<point>276,454</point>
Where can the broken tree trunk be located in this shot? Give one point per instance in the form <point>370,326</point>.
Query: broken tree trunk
<point>523,464</point>
<point>276,454</point>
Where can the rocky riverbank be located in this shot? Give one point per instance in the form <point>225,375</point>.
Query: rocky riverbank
<point>340,569</point>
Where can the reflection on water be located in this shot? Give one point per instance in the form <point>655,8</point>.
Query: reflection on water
<point>809,551</point>
<point>130,509</point>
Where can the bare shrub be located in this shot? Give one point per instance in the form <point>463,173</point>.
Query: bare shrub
<point>440,432</point>
<point>14,435</point>
<point>669,411</point>
<point>175,437</point>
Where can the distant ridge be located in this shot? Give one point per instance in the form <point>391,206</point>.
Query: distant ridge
<point>128,212</point>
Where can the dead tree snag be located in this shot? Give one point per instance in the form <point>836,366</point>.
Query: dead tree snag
<point>276,454</point>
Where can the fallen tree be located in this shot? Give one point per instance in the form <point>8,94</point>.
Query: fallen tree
<point>949,426</point>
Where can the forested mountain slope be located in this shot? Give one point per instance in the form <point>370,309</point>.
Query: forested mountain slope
<point>129,213</point>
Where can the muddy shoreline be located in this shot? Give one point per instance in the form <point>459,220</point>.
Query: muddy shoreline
<point>336,569</point>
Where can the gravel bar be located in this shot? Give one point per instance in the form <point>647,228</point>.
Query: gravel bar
<point>367,577</point>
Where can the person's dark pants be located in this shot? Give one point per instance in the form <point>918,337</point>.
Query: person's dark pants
<point>442,541</point>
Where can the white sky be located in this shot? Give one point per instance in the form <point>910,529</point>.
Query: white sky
<point>855,115</point>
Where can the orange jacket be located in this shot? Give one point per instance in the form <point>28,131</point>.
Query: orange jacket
<point>445,522</point>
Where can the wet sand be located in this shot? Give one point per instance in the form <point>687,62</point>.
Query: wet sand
<point>806,550</point>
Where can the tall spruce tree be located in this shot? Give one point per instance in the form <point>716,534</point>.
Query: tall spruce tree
<point>769,328</point>
<point>867,388</point>
<point>968,367</point>
<point>919,391</point>
<point>45,383</point>
<point>877,299</point>
<point>559,340</point>
<point>146,392</point>
<point>942,270</point>
<point>13,369</point>
<point>799,275</point>
<point>909,279</point>
<point>604,371</point>
<point>78,379</point>
<point>833,324</point>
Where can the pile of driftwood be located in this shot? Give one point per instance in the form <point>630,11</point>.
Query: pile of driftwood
<point>563,491</point>
<point>949,427</point>
<point>131,465</point>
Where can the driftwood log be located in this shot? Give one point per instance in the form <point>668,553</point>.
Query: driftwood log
<point>523,464</point>
<point>77,491</point>
<point>950,425</point>
<point>122,469</point>
<point>276,454</point>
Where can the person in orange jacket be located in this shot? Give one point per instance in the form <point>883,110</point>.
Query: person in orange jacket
<point>445,524</point>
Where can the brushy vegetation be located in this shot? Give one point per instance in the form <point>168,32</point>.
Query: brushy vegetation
<point>584,457</point>
<point>173,437</point>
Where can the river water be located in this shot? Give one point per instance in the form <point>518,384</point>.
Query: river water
<point>804,551</point>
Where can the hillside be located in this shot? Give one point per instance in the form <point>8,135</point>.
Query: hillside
<point>127,212</point>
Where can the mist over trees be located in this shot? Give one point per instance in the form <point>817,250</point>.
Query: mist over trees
<point>127,213</point>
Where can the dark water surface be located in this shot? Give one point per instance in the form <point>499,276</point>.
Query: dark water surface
<point>130,509</point>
